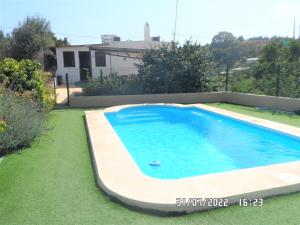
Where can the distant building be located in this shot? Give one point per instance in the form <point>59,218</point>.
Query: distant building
<point>252,60</point>
<point>237,69</point>
<point>109,38</point>
<point>112,56</point>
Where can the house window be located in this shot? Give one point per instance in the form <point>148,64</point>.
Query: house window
<point>69,59</point>
<point>100,59</point>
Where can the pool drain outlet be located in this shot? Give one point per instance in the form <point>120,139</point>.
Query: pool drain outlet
<point>154,163</point>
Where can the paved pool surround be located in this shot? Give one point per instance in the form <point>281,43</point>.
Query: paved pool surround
<point>118,175</point>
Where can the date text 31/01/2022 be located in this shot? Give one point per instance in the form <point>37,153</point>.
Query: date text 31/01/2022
<point>217,202</point>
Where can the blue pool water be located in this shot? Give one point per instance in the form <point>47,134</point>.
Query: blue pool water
<point>185,142</point>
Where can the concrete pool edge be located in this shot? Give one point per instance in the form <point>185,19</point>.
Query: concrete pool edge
<point>119,176</point>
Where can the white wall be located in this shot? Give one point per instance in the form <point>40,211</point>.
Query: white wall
<point>115,64</point>
<point>120,65</point>
<point>96,70</point>
<point>271,102</point>
<point>113,100</point>
<point>138,44</point>
<point>74,74</point>
<point>124,65</point>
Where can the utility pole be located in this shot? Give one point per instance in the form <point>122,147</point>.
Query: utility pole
<point>226,81</point>
<point>174,37</point>
<point>68,93</point>
<point>294,28</point>
<point>43,52</point>
<point>173,49</point>
<point>278,80</point>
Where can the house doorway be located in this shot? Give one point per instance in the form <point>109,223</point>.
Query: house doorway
<point>85,65</point>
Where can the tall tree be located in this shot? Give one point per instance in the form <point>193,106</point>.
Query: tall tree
<point>271,53</point>
<point>277,72</point>
<point>293,50</point>
<point>232,51</point>
<point>224,48</point>
<point>31,37</point>
<point>5,44</point>
<point>61,42</point>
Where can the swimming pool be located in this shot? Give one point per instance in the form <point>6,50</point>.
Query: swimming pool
<point>189,141</point>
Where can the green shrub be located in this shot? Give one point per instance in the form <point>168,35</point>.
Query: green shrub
<point>176,69</point>
<point>26,75</point>
<point>113,85</point>
<point>2,126</point>
<point>23,120</point>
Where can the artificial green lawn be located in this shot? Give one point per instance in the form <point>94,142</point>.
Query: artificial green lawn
<point>281,117</point>
<point>52,182</point>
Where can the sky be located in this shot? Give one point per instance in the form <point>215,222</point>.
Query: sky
<point>84,21</point>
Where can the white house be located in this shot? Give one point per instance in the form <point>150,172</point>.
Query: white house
<point>112,56</point>
<point>252,60</point>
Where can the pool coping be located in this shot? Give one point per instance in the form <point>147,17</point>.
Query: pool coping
<point>119,176</point>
